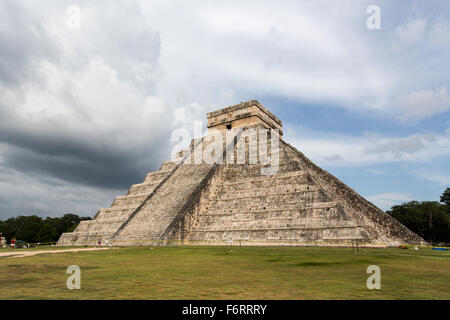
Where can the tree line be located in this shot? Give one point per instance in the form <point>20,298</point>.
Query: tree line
<point>34,229</point>
<point>428,219</point>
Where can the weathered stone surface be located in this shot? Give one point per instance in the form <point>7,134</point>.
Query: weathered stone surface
<point>242,115</point>
<point>108,221</point>
<point>215,203</point>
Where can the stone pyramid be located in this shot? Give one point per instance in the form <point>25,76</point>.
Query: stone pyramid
<point>257,190</point>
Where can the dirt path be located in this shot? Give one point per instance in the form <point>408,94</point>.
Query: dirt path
<point>21,254</point>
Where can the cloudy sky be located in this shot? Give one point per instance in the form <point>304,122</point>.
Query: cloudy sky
<point>90,92</point>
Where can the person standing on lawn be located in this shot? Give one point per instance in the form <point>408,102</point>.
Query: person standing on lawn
<point>13,244</point>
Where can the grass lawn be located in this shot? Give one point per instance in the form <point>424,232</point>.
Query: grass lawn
<point>229,273</point>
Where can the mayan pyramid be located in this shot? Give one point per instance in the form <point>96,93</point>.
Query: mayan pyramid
<point>258,190</point>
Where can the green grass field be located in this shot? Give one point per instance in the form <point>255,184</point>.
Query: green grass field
<point>229,273</point>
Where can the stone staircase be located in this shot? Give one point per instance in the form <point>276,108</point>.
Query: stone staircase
<point>108,220</point>
<point>154,217</point>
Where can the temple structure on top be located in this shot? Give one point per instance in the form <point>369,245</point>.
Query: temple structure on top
<point>243,115</point>
<point>215,203</point>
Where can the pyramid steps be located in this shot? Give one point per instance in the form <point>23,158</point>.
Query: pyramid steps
<point>156,177</point>
<point>270,194</point>
<point>129,199</point>
<point>280,206</point>
<point>265,235</point>
<point>265,204</point>
<point>108,220</point>
<point>252,221</point>
<point>250,171</point>
<point>273,213</point>
<point>143,188</point>
<point>275,218</point>
<point>153,219</point>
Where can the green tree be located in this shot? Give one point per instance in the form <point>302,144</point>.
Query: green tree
<point>429,219</point>
<point>9,228</point>
<point>34,229</point>
<point>67,221</point>
<point>445,198</point>
<point>48,232</point>
<point>28,228</point>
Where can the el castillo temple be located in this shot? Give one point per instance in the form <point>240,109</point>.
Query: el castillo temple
<point>241,198</point>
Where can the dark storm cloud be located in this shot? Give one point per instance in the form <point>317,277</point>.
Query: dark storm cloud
<point>102,162</point>
<point>102,168</point>
<point>79,119</point>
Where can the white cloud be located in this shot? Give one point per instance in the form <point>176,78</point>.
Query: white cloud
<point>299,50</point>
<point>386,200</point>
<point>346,150</point>
<point>422,103</point>
<point>442,179</point>
<point>413,32</point>
<point>310,51</point>
<point>99,86</point>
